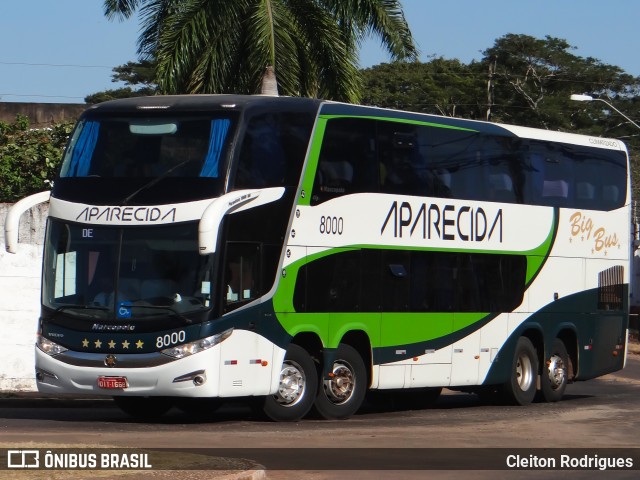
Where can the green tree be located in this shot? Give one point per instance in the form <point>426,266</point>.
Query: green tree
<point>534,78</point>
<point>29,158</point>
<point>222,46</point>
<point>440,86</point>
<point>139,75</point>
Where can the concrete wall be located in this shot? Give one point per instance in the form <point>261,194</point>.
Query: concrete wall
<point>41,114</point>
<point>20,300</point>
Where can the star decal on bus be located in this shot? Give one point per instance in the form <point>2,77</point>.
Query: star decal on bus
<point>125,344</point>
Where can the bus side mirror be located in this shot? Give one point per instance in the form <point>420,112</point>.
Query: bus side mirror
<point>12,222</point>
<point>229,203</point>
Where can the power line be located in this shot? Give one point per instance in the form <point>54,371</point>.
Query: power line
<point>62,65</point>
<point>34,95</point>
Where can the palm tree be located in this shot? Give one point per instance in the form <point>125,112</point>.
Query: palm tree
<point>224,46</point>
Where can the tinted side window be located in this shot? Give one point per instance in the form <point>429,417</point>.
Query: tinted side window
<point>329,284</point>
<point>347,162</point>
<point>242,274</point>
<point>574,176</point>
<point>365,155</point>
<point>273,150</point>
<point>409,281</point>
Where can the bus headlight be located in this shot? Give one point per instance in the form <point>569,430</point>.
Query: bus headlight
<point>49,347</point>
<point>198,346</point>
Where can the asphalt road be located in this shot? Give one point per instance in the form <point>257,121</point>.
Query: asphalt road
<point>601,413</point>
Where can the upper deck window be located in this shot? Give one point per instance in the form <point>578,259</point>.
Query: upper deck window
<point>273,149</point>
<point>370,155</point>
<point>148,148</point>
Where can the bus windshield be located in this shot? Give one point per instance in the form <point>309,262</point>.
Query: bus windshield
<point>148,147</point>
<point>114,273</point>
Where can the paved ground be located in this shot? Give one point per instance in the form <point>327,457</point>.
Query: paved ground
<point>600,413</point>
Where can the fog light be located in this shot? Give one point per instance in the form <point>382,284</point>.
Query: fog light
<point>198,377</point>
<point>41,375</point>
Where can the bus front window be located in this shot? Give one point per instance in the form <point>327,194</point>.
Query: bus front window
<point>148,147</point>
<point>105,272</point>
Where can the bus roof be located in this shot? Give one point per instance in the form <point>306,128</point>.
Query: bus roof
<point>204,103</point>
<point>201,103</point>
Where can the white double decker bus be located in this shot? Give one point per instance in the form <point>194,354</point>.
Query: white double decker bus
<point>302,252</point>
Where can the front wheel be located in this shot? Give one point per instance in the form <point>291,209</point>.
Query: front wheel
<point>554,373</point>
<point>520,389</point>
<point>342,394</point>
<point>296,389</point>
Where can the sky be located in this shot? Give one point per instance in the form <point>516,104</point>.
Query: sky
<point>63,50</point>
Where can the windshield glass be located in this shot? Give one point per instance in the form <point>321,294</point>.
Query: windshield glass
<point>115,273</point>
<point>148,147</point>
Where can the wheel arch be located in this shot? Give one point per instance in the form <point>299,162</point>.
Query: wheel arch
<point>569,337</point>
<point>535,334</point>
<point>312,343</point>
<point>359,340</point>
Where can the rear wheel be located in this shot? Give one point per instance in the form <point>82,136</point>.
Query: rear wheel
<point>296,389</point>
<point>144,408</point>
<point>553,378</point>
<point>342,394</point>
<point>520,389</point>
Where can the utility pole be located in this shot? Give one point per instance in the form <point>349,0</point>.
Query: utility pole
<point>492,72</point>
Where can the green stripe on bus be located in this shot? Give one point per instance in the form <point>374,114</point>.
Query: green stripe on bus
<point>386,329</point>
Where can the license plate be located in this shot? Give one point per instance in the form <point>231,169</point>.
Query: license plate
<point>117,383</point>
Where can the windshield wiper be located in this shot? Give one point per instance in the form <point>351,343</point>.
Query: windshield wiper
<point>185,320</point>
<point>156,180</point>
<point>81,307</point>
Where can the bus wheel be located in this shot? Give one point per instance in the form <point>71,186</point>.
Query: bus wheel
<point>144,408</point>
<point>296,389</point>
<point>520,389</point>
<point>342,395</point>
<point>554,373</point>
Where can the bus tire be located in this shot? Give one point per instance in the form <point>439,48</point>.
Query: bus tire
<point>554,374</point>
<point>144,408</point>
<point>520,389</point>
<point>342,395</point>
<point>296,388</point>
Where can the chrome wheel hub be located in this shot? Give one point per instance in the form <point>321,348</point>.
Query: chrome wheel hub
<point>340,387</point>
<point>524,373</point>
<point>292,384</point>
<point>556,371</point>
